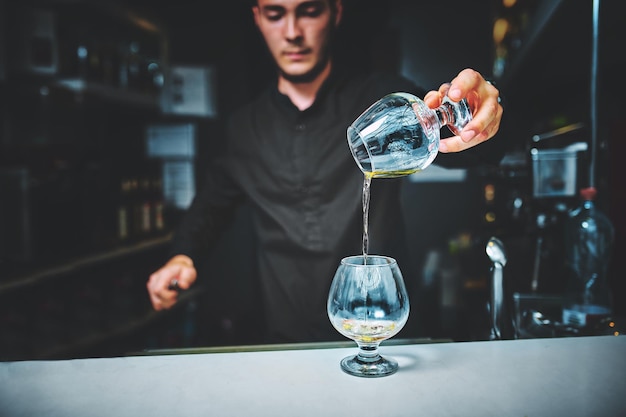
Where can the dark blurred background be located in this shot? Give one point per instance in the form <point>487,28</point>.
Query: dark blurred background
<point>111,110</point>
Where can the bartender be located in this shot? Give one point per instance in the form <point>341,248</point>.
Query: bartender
<point>287,158</point>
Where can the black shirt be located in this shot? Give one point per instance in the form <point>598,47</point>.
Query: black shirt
<point>296,171</point>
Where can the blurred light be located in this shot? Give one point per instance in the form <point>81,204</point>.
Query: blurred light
<point>509,3</point>
<point>81,51</point>
<point>144,24</point>
<point>490,217</point>
<point>500,29</point>
<point>490,192</point>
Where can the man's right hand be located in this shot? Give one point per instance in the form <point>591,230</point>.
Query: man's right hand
<point>179,269</point>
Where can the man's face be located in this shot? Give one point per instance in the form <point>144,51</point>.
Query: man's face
<point>297,33</point>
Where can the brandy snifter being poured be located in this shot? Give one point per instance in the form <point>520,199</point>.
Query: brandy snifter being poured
<point>368,303</point>
<point>399,134</point>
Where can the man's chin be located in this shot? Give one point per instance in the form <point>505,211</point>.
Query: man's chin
<point>301,77</point>
<point>301,73</point>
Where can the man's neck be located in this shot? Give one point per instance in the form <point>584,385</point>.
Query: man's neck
<point>302,94</point>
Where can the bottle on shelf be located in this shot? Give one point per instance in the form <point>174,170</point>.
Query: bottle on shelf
<point>136,206</point>
<point>157,204</point>
<point>589,238</point>
<point>144,228</point>
<point>123,210</point>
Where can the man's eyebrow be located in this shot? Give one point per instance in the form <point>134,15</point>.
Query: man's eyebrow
<point>273,8</point>
<point>311,3</point>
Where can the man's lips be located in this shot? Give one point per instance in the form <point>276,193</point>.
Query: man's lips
<point>296,55</point>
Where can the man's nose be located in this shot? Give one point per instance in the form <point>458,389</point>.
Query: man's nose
<point>292,28</point>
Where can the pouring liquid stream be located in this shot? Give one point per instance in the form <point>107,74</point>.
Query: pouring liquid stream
<point>367,181</point>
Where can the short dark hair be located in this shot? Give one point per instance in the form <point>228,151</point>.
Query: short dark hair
<point>331,3</point>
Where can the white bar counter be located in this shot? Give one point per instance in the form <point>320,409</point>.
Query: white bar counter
<point>573,377</point>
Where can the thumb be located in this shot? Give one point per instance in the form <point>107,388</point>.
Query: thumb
<point>186,276</point>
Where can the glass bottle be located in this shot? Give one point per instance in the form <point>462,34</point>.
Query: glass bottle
<point>589,238</point>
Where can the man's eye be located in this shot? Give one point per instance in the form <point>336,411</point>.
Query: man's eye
<point>274,17</point>
<point>274,14</point>
<point>312,11</point>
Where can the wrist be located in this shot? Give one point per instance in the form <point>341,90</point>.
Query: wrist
<point>500,96</point>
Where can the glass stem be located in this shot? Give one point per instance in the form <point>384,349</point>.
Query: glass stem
<point>368,352</point>
<point>445,114</point>
<point>454,115</point>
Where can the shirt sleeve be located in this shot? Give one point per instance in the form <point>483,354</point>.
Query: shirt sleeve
<point>211,211</point>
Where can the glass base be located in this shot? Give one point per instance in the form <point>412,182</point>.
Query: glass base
<point>371,368</point>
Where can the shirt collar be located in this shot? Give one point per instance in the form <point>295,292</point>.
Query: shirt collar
<point>286,105</point>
